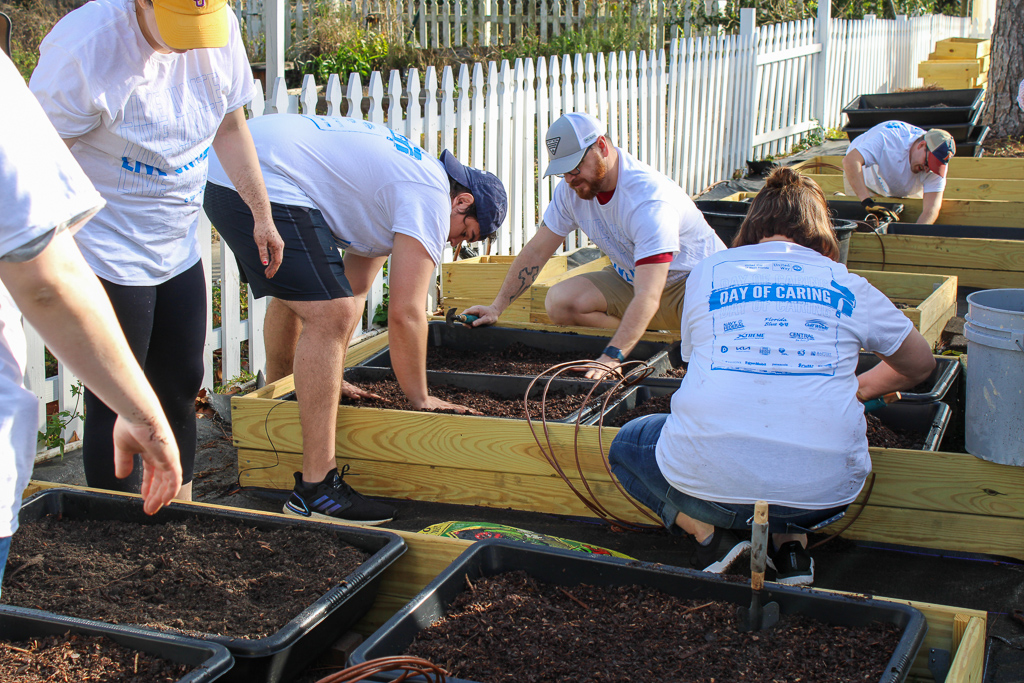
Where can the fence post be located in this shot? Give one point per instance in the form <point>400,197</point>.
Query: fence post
<point>748,39</point>
<point>274,36</point>
<point>821,72</point>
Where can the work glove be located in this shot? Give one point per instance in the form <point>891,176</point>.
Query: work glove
<point>879,211</point>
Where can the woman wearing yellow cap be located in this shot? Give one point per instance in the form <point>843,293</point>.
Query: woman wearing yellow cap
<point>140,90</point>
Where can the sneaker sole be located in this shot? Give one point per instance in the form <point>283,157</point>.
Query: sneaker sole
<point>316,515</point>
<point>796,579</point>
<point>722,565</point>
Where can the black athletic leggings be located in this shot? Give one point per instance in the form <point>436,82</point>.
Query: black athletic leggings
<point>165,326</point>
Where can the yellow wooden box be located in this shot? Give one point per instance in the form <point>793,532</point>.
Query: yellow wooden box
<point>963,48</point>
<point>476,281</point>
<point>950,69</point>
<point>931,299</point>
<point>992,189</point>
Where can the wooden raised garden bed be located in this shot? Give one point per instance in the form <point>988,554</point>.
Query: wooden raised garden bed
<point>931,299</point>
<point>476,281</point>
<point>959,167</point>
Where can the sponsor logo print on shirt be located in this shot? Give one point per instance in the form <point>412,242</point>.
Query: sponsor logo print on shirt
<point>801,336</point>
<point>815,324</point>
<point>750,335</point>
<point>733,325</point>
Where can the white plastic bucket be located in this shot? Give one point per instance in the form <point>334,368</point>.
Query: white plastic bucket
<point>994,327</point>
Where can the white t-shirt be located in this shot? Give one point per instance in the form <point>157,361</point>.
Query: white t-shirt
<point>768,408</point>
<point>886,152</point>
<point>647,215</point>
<point>144,123</point>
<point>41,188</point>
<point>369,181</point>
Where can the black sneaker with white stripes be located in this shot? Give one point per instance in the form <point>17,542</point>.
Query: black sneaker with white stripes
<point>793,565</point>
<point>335,500</point>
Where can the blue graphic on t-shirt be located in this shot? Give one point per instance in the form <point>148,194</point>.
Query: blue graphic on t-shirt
<point>785,307</point>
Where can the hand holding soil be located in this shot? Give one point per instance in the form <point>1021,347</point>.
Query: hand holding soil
<point>351,391</point>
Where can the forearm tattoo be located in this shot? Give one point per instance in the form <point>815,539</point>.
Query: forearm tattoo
<point>526,278</point>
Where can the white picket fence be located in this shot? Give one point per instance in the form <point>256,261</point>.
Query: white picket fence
<point>696,111</point>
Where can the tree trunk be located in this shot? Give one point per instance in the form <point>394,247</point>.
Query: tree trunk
<point>1006,71</point>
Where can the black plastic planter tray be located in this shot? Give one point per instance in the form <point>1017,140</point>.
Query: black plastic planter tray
<point>493,339</point>
<point>916,108</point>
<point>973,148</point>
<point>926,419</point>
<point>568,568</point>
<point>961,132</point>
<point>637,396</point>
<point>946,370</point>
<point>209,660</point>
<point>726,225</point>
<point>278,657</point>
<point>508,386</point>
<point>969,231</point>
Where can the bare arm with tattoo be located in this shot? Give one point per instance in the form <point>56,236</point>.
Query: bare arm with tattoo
<point>521,274</point>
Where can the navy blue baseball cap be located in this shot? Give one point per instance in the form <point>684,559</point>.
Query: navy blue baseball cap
<point>487,190</point>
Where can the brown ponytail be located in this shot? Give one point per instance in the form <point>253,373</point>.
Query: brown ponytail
<point>791,205</point>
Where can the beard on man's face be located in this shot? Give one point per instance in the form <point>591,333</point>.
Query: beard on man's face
<point>585,184</point>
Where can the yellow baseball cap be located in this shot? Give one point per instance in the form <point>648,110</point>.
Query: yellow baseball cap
<point>192,24</point>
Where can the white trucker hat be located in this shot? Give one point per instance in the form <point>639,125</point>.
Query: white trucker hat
<point>567,140</point>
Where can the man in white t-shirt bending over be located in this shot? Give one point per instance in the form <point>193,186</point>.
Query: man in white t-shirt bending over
<point>896,159</point>
<point>644,222</point>
<point>350,184</point>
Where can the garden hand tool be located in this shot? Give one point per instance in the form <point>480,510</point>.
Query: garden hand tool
<point>881,402</point>
<point>758,616</point>
<point>453,316</point>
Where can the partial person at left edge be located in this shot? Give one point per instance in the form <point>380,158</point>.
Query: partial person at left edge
<point>46,197</point>
<point>141,90</point>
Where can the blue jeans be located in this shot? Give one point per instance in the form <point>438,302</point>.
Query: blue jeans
<point>5,547</point>
<point>633,461</point>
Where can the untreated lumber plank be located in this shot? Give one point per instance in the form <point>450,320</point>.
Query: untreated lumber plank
<point>967,277</point>
<point>968,665</point>
<point>959,167</point>
<point>996,189</point>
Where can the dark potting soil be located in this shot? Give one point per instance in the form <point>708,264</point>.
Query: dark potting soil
<point>657,404</point>
<point>74,657</point>
<point>558,403</point>
<point>511,627</point>
<point>879,435</point>
<point>211,576</point>
<point>515,359</point>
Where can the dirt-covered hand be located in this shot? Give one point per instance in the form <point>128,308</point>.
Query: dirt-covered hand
<point>161,464</point>
<point>268,241</point>
<point>602,368</point>
<point>352,391</point>
<point>435,403</point>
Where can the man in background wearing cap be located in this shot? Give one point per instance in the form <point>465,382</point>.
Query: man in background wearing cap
<point>139,90</point>
<point>644,222</point>
<point>347,183</point>
<point>896,159</point>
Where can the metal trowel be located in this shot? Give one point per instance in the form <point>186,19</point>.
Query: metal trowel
<point>758,616</point>
<point>453,316</point>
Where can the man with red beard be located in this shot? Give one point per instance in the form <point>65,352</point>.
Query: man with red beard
<point>647,225</point>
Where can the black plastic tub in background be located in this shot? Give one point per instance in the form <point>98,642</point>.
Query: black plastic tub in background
<point>209,661</point>
<point>926,420</point>
<point>961,132</point>
<point>275,658</point>
<point>938,382</point>
<point>507,386</point>
<point>494,339</point>
<point>568,568</point>
<point>969,231</point>
<point>932,108</point>
<point>972,147</point>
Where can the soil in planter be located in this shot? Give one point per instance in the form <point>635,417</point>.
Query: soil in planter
<point>515,359</point>
<point>879,435</point>
<point>208,576</point>
<point>558,403</point>
<point>513,628</point>
<point>74,657</point>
